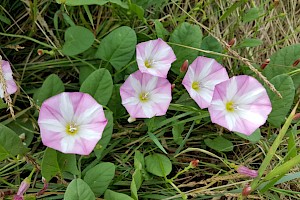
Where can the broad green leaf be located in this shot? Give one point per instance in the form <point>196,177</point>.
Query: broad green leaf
<point>10,143</point>
<point>51,87</point>
<point>99,177</point>
<point>115,103</point>
<point>158,164</point>
<point>177,131</point>
<point>99,85</point>
<point>111,195</point>
<point>92,2</point>
<point>249,42</point>
<point>281,62</point>
<point>23,125</point>
<point>138,10</point>
<point>187,35</point>
<point>118,47</point>
<point>77,40</point>
<point>186,100</point>
<point>281,107</point>
<point>231,9</point>
<point>136,183</point>
<point>161,32</point>
<point>2,104</point>
<point>211,44</point>
<point>253,14</point>
<point>84,72</point>
<point>50,167</point>
<point>106,135</point>
<point>139,161</point>
<point>254,137</point>
<point>219,144</point>
<point>67,162</point>
<point>79,190</point>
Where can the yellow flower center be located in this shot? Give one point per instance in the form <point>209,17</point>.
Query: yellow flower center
<point>144,97</point>
<point>71,129</point>
<point>148,63</point>
<point>230,106</point>
<point>196,85</point>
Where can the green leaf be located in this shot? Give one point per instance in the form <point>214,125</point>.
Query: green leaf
<point>23,125</point>
<point>190,36</point>
<point>111,195</point>
<point>231,9</point>
<point>139,162</point>
<point>254,137</point>
<point>138,10</point>
<point>115,103</point>
<point>177,131</point>
<point>77,40</point>
<point>281,106</point>
<point>161,32</point>
<point>84,72</point>
<point>281,62</point>
<point>99,177</point>
<point>158,164</point>
<point>219,144</point>
<point>99,85</point>
<point>292,144</point>
<point>106,135</point>
<point>67,163</point>
<point>79,190</point>
<point>51,87</point>
<point>211,44</point>
<point>136,183</point>
<point>92,2</point>
<point>50,167</point>
<point>253,14</point>
<point>118,47</point>
<point>5,20</point>
<point>10,143</point>
<point>248,42</point>
<point>156,141</point>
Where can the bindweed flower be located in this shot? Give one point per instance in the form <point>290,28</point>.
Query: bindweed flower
<point>11,86</point>
<point>145,96</point>
<point>240,104</point>
<point>200,80</point>
<point>71,122</point>
<point>24,186</point>
<point>155,57</point>
<point>246,171</point>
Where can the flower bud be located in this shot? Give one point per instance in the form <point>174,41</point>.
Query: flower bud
<point>131,119</point>
<point>246,191</point>
<point>232,42</point>
<point>194,163</point>
<point>184,66</point>
<point>44,187</point>
<point>40,52</point>
<point>296,63</point>
<point>265,63</point>
<point>296,116</point>
<point>24,186</point>
<point>172,86</point>
<point>246,171</point>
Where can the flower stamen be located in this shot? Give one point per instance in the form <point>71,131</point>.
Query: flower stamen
<point>144,97</point>
<point>72,129</point>
<point>230,107</point>
<point>148,63</point>
<point>196,85</point>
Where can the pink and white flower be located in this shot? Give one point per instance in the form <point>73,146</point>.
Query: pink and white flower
<point>144,95</point>
<point>240,104</point>
<point>155,57</point>
<point>11,86</point>
<point>71,122</point>
<point>200,80</point>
